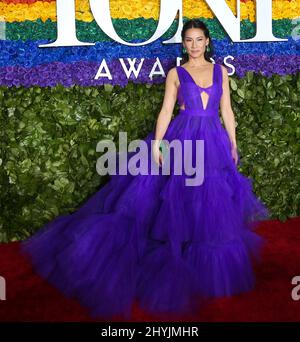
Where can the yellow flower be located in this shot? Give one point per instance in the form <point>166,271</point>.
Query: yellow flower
<point>140,8</point>
<point>87,17</point>
<point>126,10</point>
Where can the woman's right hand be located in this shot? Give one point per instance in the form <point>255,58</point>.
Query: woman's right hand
<point>158,157</point>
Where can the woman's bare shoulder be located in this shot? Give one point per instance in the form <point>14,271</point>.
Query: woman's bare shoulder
<point>172,75</point>
<point>172,71</point>
<point>224,71</point>
<point>223,67</point>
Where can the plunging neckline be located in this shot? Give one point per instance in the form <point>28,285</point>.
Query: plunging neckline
<point>213,76</point>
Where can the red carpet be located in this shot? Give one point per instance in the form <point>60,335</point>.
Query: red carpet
<point>29,298</point>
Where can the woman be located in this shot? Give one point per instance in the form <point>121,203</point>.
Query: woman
<point>153,238</point>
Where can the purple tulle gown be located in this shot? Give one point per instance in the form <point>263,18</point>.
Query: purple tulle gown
<point>153,240</point>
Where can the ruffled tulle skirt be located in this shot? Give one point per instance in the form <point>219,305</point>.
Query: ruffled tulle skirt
<point>154,240</point>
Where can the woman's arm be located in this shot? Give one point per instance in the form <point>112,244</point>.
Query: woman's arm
<point>226,110</point>
<point>167,108</point>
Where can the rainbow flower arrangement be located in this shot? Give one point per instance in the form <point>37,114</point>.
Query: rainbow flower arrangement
<point>26,24</point>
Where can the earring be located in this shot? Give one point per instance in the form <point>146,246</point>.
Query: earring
<point>207,48</point>
<point>184,50</point>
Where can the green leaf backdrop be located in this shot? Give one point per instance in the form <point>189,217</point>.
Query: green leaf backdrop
<point>49,138</point>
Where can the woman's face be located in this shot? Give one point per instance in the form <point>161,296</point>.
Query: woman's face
<point>195,42</point>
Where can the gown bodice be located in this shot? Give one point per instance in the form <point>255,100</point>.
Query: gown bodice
<point>189,93</point>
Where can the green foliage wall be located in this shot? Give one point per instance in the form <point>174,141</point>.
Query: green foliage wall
<point>49,138</point>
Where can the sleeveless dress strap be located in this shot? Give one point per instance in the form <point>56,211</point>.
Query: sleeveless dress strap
<point>181,75</point>
<point>219,77</point>
<point>218,74</point>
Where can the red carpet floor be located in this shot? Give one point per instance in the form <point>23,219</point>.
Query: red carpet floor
<point>30,298</point>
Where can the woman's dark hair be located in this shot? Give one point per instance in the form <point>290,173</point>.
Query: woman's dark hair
<point>195,23</point>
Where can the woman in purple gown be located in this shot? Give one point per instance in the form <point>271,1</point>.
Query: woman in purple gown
<point>151,238</point>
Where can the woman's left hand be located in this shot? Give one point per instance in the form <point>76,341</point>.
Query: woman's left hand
<point>234,154</point>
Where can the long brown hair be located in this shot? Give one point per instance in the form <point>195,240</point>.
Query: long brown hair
<point>195,23</point>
